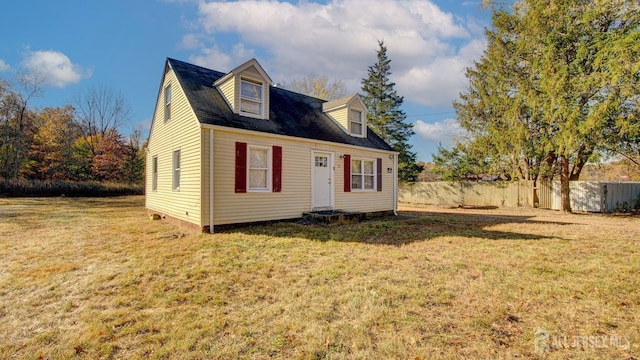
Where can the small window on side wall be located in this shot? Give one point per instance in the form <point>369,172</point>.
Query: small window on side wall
<point>176,170</point>
<point>154,181</point>
<point>356,122</point>
<point>167,102</point>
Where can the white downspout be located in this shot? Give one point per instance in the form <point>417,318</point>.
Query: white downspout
<point>211,181</point>
<point>395,184</point>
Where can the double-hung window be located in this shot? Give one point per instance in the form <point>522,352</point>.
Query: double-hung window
<point>167,102</point>
<point>356,122</point>
<point>258,168</point>
<point>251,97</point>
<point>259,164</point>
<point>363,174</point>
<point>176,169</point>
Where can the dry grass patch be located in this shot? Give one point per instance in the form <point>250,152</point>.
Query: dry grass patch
<point>94,278</point>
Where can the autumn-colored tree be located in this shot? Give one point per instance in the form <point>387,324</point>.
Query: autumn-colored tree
<point>65,143</point>
<point>107,164</point>
<point>52,152</point>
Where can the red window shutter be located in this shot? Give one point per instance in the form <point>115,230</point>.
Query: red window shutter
<point>241,167</point>
<point>379,173</point>
<point>347,173</point>
<point>277,168</point>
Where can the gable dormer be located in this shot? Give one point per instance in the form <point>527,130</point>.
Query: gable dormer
<point>350,112</point>
<point>246,90</point>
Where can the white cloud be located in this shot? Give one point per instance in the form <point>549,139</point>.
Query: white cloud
<point>439,82</point>
<point>4,66</point>
<point>440,131</point>
<point>428,47</point>
<point>191,41</point>
<point>55,68</point>
<point>213,58</point>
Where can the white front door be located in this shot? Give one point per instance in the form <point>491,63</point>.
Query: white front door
<point>322,168</point>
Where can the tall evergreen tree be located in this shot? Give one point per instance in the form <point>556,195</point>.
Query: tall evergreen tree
<point>495,111</point>
<point>558,83</point>
<point>385,116</point>
<point>134,159</point>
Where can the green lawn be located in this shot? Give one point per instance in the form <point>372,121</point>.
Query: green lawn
<point>95,278</point>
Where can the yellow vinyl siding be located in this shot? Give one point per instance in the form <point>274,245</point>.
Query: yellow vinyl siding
<point>339,110</point>
<point>355,105</point>
<point>180,132</point>
<point>295,197</point>
<point>291,202</point>
<point>341,116</point>
<point>252,72</point>
<point>228,91</point>
<point>365,200</point>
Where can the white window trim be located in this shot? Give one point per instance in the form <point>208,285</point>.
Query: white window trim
<point>363,128</point>
<point>362,174</point>
<point>261,102</point>
<point>269,168</point>
<point>167,102</point>
<point>154,173</point>
<point>175,185</point>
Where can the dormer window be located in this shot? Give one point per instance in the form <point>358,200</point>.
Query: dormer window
<point>246,90</point>
<point>350,113</point>
<point>251,97</point>
<point>355,122</point>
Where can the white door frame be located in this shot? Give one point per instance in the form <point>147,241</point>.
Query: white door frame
<point>313,178</point>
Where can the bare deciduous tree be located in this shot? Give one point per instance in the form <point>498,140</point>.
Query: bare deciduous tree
<point>318,86</point>
<point>16,120</point>
<point>100,111</point>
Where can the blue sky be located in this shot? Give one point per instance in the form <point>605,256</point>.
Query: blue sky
<point>122,44</point>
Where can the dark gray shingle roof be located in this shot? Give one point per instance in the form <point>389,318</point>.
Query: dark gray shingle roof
<point>290,114</point>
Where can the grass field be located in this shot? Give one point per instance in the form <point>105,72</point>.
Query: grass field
<point>95,278</point>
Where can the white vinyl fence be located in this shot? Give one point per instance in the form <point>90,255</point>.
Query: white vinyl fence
<point>598,196</point>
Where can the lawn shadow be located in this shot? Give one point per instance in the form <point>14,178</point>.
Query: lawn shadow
<point>406,228</point>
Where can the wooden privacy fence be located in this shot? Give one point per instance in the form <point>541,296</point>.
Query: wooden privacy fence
<point>497,193</point>
<point>592,196</point>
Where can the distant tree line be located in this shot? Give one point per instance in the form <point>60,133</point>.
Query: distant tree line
<point>76,142</point>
